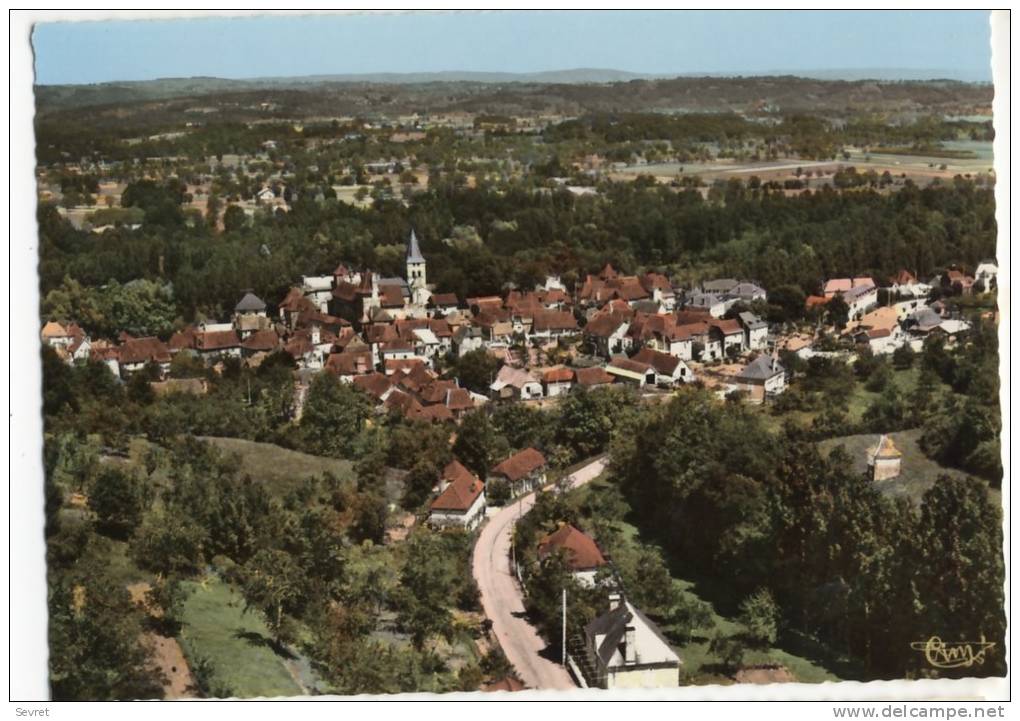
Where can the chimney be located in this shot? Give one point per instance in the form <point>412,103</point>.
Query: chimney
<point>615,600</point>
<point>629,645</point>
<point>316,338</point>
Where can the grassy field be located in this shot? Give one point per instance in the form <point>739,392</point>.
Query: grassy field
<point>281,469</point>
<point>905,382</point>
<point>234,644</point>
<point>917,471</point>
<point>808,661</point>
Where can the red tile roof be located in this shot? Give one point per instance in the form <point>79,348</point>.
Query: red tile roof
<point>581,552</point>
<point>217,340</point>
<point>375,384</point>
<point>520,465</point>
<point>558,375</point>
<point>143,350</point>
<point>261,340</point>
<point>460,495</point>
<point>595,376</point>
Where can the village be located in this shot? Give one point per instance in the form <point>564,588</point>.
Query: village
<point>398,340</point>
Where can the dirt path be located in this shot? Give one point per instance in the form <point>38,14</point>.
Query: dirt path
<point>166,652</point>
<point>503,600</point>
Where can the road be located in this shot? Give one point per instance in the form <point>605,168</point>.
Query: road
<point>503,600</point>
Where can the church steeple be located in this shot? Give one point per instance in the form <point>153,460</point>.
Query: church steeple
<point>416,271</point>
<point>413,251</point>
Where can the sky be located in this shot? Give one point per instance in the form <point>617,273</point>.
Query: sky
<point>653,42</point>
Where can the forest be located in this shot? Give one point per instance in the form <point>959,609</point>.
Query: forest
<point>175,268</point>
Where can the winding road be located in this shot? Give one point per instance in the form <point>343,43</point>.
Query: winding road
<point>502,598</point>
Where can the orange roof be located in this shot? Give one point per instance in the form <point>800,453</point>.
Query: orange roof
<point>520,465</point>
<point>558,375</point>
<point>54,330</point>
<point>581,552</point>
<point>459,495</point>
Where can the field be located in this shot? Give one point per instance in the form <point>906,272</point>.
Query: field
<point>235,645</point>
<point>281,469</point>
<point>917,471</point>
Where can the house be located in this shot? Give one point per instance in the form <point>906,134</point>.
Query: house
<point>135,353</point>
<point>460,505</point>
<point>607,332</point>
<point>318,289</point>
<point>523,471</point>
<point>860,299</point>
<point>54,334</point>
<point>905,283</point>
<point>515,384</point>
<point>557,381</point>
<point>262,341</point>
<point>986,276</point>
<point>627,650</point>
<point>747,292</point>
<point>467,338</point>
<point>669,370</point>
<point>837,286</point>
<point>715,305</point>
<point>761,378</point>
<point>594,377</point>
<point>720,286</point>
<point>551,324</point>
<point>631,371</point>
<point>580,552</point>
<point>218,344</point>
<point>443,303</point>
<point>958,282</point>
<point>884,459</point>
<point>732,334</point>
<point>756,331</point>
<point>663,333</point>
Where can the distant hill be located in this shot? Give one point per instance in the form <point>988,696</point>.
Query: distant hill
<point>571,92</point>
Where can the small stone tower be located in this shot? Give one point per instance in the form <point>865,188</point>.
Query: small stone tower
<point>884,459</point>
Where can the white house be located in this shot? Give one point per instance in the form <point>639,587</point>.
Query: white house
<point>860,299</point>
<point>756,331</point>
<point>557,381</point>
<point>461,504</point>
<point>987,274</point>
<point>514,383</point>
<point>318,289</point>
<point>524,471</point>
<point>631,371</point>
<point>627,650</point>
<point>669,370</point>
<point>716,305</point>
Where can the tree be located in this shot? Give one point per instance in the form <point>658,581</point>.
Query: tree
<point>94,627</point>
<point>476,370</point>
<point>370,511</point>
<point>760,616</point>
<point>838,312</point>
<point>333,416</point>
<point>118,499</point>
<point>903,357</point>
<point>234,218</point>
<point>961,568</point>
<point>274,584</point>
<point>478,446</point>
<point>427,580</point>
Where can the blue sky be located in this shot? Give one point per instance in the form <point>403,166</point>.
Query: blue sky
<point>646,42</point>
